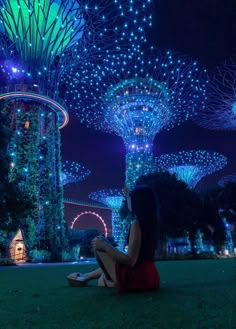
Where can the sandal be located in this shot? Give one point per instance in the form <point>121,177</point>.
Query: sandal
<point>76,282</point>
<point>74,275</point>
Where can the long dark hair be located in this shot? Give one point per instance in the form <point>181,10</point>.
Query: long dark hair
<point>144,206</point>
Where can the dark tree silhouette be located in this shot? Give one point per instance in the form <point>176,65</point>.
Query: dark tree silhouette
<point>228,201</point>
<point>180,207</point>
<point>211,216</point>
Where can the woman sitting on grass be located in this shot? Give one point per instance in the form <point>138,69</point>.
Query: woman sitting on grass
<point>135,270</point>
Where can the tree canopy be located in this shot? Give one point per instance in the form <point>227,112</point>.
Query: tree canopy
<point>180,208</point>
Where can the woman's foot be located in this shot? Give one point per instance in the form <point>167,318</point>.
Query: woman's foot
<point>77,279</point>
<point>76,282</point>
<point>75,275</point>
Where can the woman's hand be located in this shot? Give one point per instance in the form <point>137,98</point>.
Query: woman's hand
<point>99,243</point>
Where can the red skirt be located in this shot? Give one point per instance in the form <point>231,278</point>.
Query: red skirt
<point>142,277</point>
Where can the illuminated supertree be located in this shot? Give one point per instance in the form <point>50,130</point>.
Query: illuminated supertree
<point>73,172</point>
<point>227,179</point>
<point>220,112</point>
<point>39,41</point>
<point>136,95</point>
<point>191,166</point>
<point>113,199</point>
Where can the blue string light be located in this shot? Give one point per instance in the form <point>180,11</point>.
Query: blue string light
<point>73,172</point>
<point>220,111</point>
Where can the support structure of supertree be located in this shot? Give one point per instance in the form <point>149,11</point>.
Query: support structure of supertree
<point>199,242</point>
<point>229,245</point>
<point>136,95</point>
<point>227,179</point>
<point>113,199</point>
<point>39,41</point>
<point>191,166</point>
<point>73,172</point>
<point>220,112</point>
<point>35,165</point>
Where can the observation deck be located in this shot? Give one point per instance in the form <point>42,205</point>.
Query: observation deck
<point>33,92</point>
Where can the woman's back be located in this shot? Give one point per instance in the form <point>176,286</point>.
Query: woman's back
<point>143,275</point>
<point>148,242</point>
<point>144,210</point>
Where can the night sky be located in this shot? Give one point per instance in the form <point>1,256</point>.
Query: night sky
<point>204,30</point>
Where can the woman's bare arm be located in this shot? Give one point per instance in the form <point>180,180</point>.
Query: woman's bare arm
<point>134,247</point>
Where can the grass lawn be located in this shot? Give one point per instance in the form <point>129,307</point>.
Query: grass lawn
<point>194,295</point>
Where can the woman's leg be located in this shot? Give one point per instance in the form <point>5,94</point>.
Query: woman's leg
<point>107,265</point>
<point>106,272</point>
<point>86,276</point>
<point>103,282</point>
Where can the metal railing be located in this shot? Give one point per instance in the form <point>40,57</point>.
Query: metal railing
<point>35,89</point>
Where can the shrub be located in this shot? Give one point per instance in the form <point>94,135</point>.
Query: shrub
<point>84,239</point>
<point>3,242</point>
<point>7,262</point>
<point>71,255</point>
<point>39,255</point>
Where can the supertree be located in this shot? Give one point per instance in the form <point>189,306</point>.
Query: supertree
<point>227,179</point>
<point>136,95</point>
<point>113,199</point>
<point>191,166</point>
<point>39,41</point>
<point>220,112</point>
<point>73,172</point>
